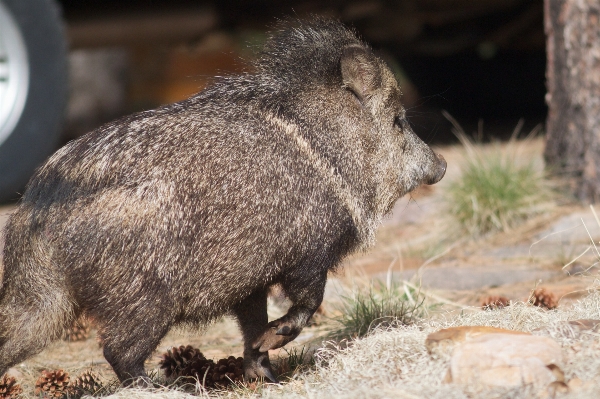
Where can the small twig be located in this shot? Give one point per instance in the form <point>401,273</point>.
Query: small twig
<point>388,277</point>
<point>437,297</point>
<point>408,294</point>
<point>591,239</point>
<point>595,215</point>
<point>574,260</point>
<point>436,257</point>
<point>548,235</point>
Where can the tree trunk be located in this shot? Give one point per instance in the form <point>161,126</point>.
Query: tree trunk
<point>573,79</point>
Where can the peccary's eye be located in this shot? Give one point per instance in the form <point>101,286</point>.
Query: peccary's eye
<point>400,123</point>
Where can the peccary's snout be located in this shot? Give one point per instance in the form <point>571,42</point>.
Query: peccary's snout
<point>438,171</point>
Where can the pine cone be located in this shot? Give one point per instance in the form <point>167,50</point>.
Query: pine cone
<point>53,384</point>
<point>544,299</point>
<point>188,364</point>
<point>228,371</point>
<point>79,331</point>
<point>9,388</point>
<point>178,361</point>
<point>87,383</point>
<point>494,302</point>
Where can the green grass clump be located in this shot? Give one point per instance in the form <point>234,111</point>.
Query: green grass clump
<point>385,305</point>
<point>496,191</point>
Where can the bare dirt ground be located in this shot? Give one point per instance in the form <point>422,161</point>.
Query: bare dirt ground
<point>416,243</point>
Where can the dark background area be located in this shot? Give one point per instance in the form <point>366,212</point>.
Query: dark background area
<point>479,60</point>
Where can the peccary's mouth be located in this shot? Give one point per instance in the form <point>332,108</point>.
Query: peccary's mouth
<point>439,170</point>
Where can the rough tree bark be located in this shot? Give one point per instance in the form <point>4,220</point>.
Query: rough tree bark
<point>573,78</point>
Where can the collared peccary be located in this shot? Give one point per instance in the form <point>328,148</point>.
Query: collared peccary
<point>194,210</point>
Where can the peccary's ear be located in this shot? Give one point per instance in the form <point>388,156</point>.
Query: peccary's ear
<point>361,72</point>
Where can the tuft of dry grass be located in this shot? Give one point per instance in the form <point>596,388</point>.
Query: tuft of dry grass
<point>393,362</point>
<point>494,302</point>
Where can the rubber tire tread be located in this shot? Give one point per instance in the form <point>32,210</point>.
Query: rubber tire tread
<point>38,131</point>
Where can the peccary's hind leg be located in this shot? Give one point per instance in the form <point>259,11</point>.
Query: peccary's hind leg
<point>130,339</point>
<point>252,317</point>
<point>305,290</point>
<point>31,317</point>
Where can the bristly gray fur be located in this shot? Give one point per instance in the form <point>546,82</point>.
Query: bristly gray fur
<point>184,213</point>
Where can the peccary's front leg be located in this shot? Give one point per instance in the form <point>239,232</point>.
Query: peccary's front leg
<point>251,314</point>
<point>306,293</point>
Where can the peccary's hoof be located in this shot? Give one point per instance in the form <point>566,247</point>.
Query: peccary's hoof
<point>269,374</point>
<point>258,368</point>
<point>270,340</point>
<point>277,334</point>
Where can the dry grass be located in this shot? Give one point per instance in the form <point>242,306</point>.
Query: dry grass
<point>393,362</point>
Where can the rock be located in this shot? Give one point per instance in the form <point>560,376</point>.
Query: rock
<point>507,360</point>
<point>475,277</point>
<point>554,388</point>
<point>575,384</point>
<point>557,371</point>
<point>572,228</point>
<point>454,335</point>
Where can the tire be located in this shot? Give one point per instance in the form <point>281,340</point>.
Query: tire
<point>33,88</point>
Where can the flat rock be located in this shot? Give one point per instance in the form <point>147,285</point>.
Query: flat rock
<point>507,360</point>
<point>572,228</point>
<point>457,335</point>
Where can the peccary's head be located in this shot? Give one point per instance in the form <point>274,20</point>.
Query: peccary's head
<point>346,104</point>
<point>405,159</point>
